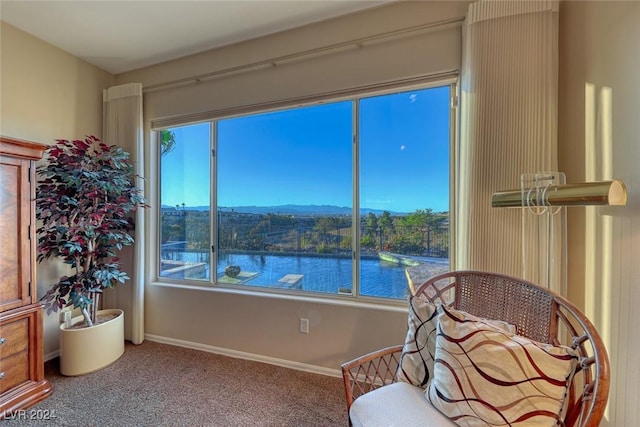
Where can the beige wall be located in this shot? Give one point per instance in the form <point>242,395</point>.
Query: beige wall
<point>45,94</point>
<point>599,138</point>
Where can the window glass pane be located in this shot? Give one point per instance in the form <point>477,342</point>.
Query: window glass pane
<point>284,199</point>
<point>185,202</point>
<point>284,192</point>
<point>404,190</point>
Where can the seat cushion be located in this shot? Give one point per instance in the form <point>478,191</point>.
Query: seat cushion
<point>398,404</point>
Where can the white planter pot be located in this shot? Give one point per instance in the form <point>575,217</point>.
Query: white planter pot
<point>87,350</point>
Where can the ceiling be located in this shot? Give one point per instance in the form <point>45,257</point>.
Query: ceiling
<point>124,35</point>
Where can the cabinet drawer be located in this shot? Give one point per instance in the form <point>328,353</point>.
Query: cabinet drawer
<point>14,371</point>
<point>14,337</point>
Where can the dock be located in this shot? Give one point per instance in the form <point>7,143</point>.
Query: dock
<point>291,280</point>
<point>242,277</point>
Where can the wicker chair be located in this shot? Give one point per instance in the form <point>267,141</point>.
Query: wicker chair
<point>538,314</point>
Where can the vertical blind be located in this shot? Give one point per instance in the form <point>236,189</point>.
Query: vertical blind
<point>122,123</point>
<point>508,119</point>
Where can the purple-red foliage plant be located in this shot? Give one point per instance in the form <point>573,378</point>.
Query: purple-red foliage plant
<point>86,198</point>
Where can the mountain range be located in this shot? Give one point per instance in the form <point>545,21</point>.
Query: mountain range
<point>298,210</point>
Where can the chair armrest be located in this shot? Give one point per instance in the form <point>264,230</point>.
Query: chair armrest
<point>370,371</point>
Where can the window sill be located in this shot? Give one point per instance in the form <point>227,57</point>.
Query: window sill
<point>399,306</point>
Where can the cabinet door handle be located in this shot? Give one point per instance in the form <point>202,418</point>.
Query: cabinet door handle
<point>2,340</point>
<point>2,375</point>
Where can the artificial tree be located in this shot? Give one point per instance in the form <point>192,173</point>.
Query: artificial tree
<point>85,199</point>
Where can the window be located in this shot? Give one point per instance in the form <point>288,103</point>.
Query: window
<point>336,198</point>
<point>185,214</point>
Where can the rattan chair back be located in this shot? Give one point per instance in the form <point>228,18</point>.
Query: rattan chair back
<point>538,314</point>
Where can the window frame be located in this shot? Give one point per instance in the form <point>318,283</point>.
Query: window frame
<point>354,95</point>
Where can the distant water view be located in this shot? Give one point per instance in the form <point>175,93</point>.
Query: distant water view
<point>323,274</point>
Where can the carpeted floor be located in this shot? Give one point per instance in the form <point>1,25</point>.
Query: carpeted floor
<point>156,384</point>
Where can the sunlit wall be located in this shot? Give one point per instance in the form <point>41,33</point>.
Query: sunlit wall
<point>599,138</point>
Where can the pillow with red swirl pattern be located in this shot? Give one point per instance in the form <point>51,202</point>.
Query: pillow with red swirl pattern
<point>484,375</point>
<point>416,360</point>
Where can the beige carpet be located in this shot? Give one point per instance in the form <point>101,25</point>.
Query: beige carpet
<point>162,385</point>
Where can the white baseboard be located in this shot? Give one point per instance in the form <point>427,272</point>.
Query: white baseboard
<point>51,355</point>
<point>247,356</point>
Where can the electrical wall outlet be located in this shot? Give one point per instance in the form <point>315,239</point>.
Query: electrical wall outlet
<point>304,326</point>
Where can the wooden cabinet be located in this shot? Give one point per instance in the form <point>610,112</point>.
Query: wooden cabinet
<point>22,381</point>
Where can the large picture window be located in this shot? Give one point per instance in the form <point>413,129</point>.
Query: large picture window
<point>347,198</point>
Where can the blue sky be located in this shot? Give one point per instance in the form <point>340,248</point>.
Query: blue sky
<point>304,156</point>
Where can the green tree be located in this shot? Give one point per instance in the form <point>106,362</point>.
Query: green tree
<point>419,218</point>
<point>167,141</point>
<point>416,231</point>
<point>423,218</point>
<point>324,226</point>
<point>197,228</point>
<point>370,224</point>
<point>327,228</point>
<point>386,221</point>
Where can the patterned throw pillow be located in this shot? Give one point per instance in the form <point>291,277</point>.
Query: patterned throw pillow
<point>416,360</point>
<point>486,376</point>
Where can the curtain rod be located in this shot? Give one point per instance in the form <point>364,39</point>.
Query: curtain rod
<point>324,50</point>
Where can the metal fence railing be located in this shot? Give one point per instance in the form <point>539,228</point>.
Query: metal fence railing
<point>190,233</point>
